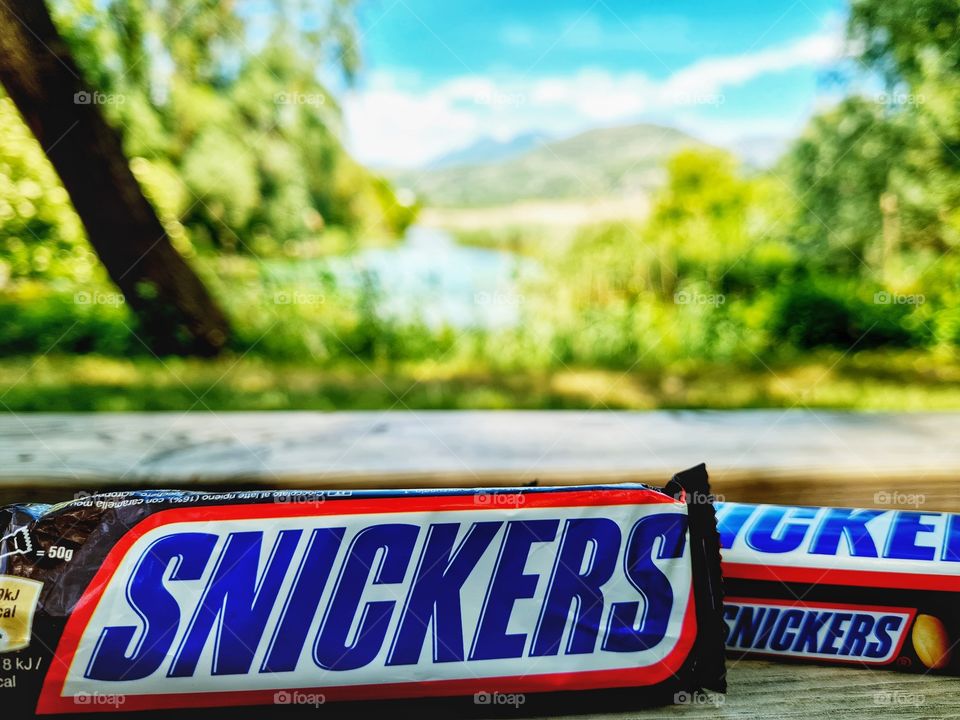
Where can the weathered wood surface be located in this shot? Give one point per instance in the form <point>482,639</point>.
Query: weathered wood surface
<point>762,456</point>
<point>759,456</point>
<point>765,690</point>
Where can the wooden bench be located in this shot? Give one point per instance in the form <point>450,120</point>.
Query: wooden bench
<point>797,457</point>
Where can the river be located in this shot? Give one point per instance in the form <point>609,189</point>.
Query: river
<point>430,275</point>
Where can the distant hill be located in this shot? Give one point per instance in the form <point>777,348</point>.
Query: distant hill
<point>594,164</point>
<point>489,150</point>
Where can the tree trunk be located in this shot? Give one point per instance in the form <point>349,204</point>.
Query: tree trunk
<point>176,313</point>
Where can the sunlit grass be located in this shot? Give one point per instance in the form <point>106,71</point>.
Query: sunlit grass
<point>865,381</point>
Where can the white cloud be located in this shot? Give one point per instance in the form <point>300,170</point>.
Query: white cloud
<point>396,121</point>
<point>711,75</point>
<point>389,125</point>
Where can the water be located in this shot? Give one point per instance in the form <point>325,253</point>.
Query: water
<point>430,276</point>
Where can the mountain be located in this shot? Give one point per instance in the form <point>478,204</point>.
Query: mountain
<point>595,164</point>
<point>488,150</point>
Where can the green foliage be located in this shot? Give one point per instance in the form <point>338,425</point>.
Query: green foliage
<point>34,320</point>
<point>40,234</point>
<point>221,173</point>
<point>907,40</point>
<point>812,313</point>
<point>694,281</point>
<point>840,168</point>
<point>234,131</point>
<point>878,178</point>
<point>842,256</point>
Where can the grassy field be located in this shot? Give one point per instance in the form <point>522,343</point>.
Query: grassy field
<point>864,381</point>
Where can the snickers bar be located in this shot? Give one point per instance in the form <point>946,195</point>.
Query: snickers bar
<point>160,599</point>
<point>873,588</point>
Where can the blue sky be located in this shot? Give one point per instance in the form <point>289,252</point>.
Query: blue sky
<point>439,75</point>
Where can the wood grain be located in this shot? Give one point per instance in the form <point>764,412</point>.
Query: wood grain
<point>876,459</point>
<point>760,689</point>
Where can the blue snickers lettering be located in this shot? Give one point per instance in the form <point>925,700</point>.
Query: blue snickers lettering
<point>509,584</point>
<point>730,521</point>
<point>856,640</point>
<point>298,613</point>
<point>773,614</point>
<point>884,644</point>
<point>769,534</point>
<point>434,597</point>
<point>237,602</point>
<point>849,524</point>
<point>596,542</point>
<point>835,633</point>
<point>902,541</point>
<point>626,632</point>
<point>783,634</point>
<point>747,626</point>
<point>951,545</point>
<point>808,635</point>
<point>394,544</point>
<point>159,610</point>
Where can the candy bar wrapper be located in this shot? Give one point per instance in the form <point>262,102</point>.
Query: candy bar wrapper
<point>870,588</point>
<point>161,599</point>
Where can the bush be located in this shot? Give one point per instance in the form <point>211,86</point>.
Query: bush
<point>830,312</point>
<point>37,322</point>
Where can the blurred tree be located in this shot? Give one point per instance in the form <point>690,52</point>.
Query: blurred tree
<point>840,168</point>
<point>231,99</point>
<point>914,44</point>
<point>699,221</point>
<point>175,310</point>
<point>715,228</point>
<point>878,177</point>
<point>908,40</point>
<point>877,187</point>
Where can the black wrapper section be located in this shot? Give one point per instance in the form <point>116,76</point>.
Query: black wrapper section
<point>694,485</point>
